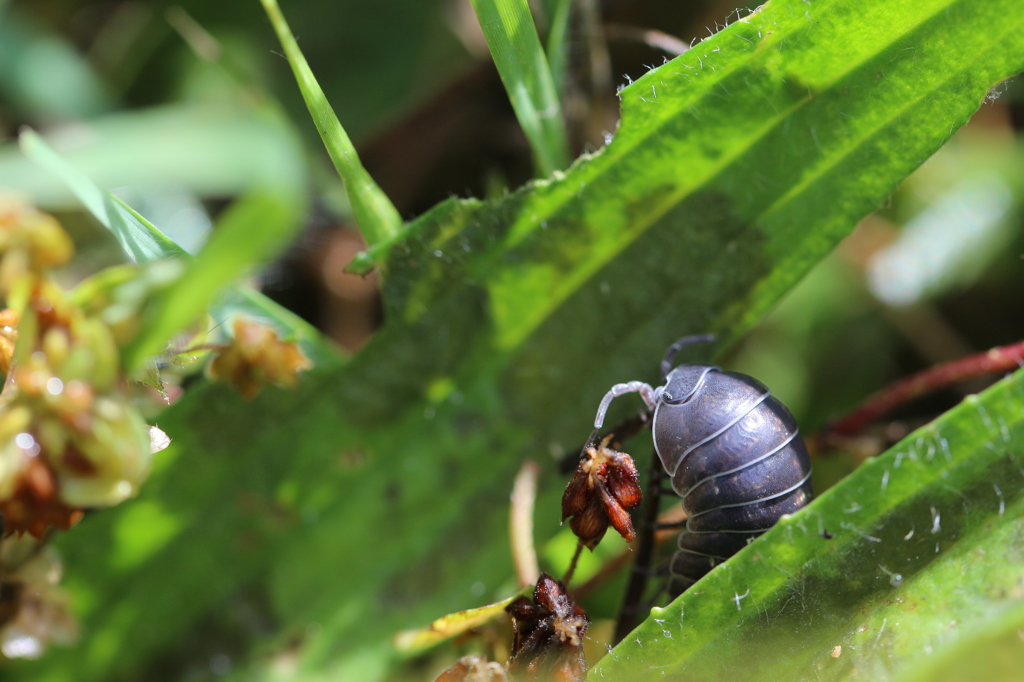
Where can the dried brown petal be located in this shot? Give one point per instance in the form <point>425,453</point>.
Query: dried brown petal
<point>619,518</point>
<point>590,526</point>
<point>601,492</point>
<point>623,485</point>
<point>576,495</point>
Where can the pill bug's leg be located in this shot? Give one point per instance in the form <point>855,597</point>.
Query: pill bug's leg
<point>641,570</point>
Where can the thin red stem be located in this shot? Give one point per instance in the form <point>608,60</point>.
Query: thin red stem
<point>572,564</point>
<point>997,360</point>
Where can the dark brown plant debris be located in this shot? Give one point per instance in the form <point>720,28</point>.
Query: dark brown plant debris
<point>549,634</point>
<point>600,494</point>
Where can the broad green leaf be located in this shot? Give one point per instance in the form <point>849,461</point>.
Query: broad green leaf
<point>515,46</point>
<point>991,652</point>
<point>927,535</point>
<point>372,498</point>
<point>376,215</point>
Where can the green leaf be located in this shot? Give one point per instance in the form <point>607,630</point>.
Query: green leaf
<point>140,240</point>
<point>43,75</point>
<point>991,652</point>
<point>376,215</point>
<point>928,534</point>
<point>558,43</point>
<point>514,44</point>
<point>213,151</point>
<point>373,498</point>
<point>249,232</point>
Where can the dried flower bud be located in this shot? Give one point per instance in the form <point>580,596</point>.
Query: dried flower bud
<point>548,635</point>
<point>30,501</point>
<point>8,338</point>
<point>473,669</point>
<point>107,464</point>
<point>601,492</point>
<point>29,241</point>
<point>255,356</point>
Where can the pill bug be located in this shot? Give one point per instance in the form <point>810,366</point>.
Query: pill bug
<point>732,452</point>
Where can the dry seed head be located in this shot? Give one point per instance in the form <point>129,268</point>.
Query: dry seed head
<point>30,243</point>
<point>256,356</point>
<point>601,493</point>
<point>548,635</point>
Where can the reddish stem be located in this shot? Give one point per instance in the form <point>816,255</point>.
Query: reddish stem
<point>1001,359</point>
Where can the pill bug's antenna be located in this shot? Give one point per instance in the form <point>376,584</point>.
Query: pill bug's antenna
<point>670,354</point>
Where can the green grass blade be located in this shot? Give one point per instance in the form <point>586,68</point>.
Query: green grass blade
<point>377,217</point>
<point>558,43</point>
<point>207,150</point>
<point>929,533</point>
<point>248,233</point>
<point>140,240</point>
<point>512,38</point>
<point>254,228</point>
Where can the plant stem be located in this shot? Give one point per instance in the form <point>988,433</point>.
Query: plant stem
<point>572,564</point>
<point>996,360</point>
<point>524,555</point>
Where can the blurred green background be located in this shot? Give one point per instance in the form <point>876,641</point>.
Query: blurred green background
<point>181,106</point>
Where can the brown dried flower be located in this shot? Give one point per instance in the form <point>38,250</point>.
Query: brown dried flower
<point>602,492</point>
<point>8,337</point>
<point>256,356</point>
<point>30,241</point>
<point>35,503</point>
<point>548,635</point>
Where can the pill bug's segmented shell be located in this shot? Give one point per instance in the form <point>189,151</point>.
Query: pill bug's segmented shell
<point>734,455</point>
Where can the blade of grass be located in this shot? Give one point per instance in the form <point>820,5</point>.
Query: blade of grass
<point>558,36</point>
<point>140,240</point>
<point>377,217</point>
<point>143,243</point>
<point>512,38</point>
<point>250,231</point>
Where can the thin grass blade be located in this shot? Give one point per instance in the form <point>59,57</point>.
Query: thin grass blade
<point>249,232</point>
<point>244,242</point>
<point>377,217</point>
<point>515,46</point>
<point>140,240</point>
<point>558,43</point>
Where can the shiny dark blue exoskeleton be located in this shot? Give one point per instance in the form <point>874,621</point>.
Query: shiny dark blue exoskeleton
<point>733,453</point>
